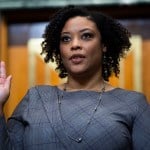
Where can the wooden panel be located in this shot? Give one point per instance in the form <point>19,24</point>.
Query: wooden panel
<point>128,71</point>
<point>146,68</point>
<point>125,79</point>
<point>44,73</point>
<point>18,70</point>
<point>39,71</point>
<point>114,81</point>
<point>54,78</point>
<point>130,68</point>
<point>3,40</point>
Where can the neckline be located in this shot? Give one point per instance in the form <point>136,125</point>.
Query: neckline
<point>92,91</point>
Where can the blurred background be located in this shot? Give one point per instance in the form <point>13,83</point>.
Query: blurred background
<point>22,23</point>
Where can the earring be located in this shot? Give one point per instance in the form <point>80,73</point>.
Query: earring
<point>105,64</point>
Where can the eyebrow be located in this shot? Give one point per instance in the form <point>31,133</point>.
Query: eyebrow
<point>85,29</point>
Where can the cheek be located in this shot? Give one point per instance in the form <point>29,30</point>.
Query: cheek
<point>64,55</point>
<point>95,52</point>
<point>94,49</point>
<point>62,51</point>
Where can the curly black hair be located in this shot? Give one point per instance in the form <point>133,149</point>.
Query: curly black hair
<point>115,38</point>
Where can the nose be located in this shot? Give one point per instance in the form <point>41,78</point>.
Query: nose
<point>76,44</point>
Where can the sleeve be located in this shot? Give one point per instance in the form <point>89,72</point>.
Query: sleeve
<point>11,134</point>
<point>3,133</point>
<point>141,126</point>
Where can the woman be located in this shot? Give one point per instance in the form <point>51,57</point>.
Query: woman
<point>86,112</point>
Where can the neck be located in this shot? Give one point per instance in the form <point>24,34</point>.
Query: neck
<point>96,83</point>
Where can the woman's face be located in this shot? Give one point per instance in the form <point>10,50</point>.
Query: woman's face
<point>80,46</point>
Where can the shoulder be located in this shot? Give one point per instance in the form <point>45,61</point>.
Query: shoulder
<point>119,92</point>
<point>34,97</point>
<point>41,89</point>
<point>38,92</point>
<point>126,94</point>
<point>133,99</point>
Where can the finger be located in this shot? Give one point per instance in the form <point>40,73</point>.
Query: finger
<point>8,82</point>
<point>2,70</point>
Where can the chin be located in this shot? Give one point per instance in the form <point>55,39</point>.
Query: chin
<point>78,73</point>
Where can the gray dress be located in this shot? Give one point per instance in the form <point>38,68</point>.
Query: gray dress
<point>121,122</point>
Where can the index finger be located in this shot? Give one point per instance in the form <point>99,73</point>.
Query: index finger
<point>2,70</point>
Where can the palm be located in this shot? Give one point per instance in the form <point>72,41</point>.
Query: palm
<point>4,84</point>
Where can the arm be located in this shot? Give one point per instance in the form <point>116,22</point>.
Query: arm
<point>14,128</point>
<point>141,126</point>
<point>3,133</point>
<point>4,94</point>
<point>12,133</point>
<point>5,83</point>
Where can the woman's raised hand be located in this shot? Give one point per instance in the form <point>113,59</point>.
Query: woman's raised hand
<point>5,83</point>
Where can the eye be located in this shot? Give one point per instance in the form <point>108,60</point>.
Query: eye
<point>65,38</point>
<point>87,36</point>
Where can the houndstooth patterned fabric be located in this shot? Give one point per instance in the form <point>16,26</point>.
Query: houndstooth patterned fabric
<point>122,121</point>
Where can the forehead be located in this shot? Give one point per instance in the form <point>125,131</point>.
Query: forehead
<point>79,22</point>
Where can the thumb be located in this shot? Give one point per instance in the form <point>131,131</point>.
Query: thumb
<point>8,82</point>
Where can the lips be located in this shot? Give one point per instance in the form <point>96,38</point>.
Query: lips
<point>77,58</point>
